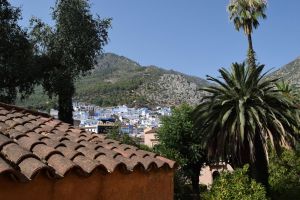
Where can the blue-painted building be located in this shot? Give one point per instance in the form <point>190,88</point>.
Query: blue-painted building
<point>127,129</point>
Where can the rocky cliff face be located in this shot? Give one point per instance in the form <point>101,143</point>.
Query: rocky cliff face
<point>290,72</point>
<point>172,89</point>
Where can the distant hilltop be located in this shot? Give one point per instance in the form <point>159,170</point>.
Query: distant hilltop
<point>117,80</point>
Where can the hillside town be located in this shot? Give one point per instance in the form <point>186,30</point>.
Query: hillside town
<point>132,121</point>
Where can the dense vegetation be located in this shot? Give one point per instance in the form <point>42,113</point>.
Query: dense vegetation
<point>236,186</point>
<point>285,174</point>
<point>181,141</point>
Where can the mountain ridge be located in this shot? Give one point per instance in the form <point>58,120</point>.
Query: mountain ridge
<point>289,72</point>
<point>118,80</point>
<point>147,85</point>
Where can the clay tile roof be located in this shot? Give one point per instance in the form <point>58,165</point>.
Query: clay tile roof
<point>33,142</point>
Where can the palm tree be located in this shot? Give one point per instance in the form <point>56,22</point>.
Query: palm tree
<point>245,15</point>
<point>291,91</point>
<point>241,114</point>
<point>288,89</point>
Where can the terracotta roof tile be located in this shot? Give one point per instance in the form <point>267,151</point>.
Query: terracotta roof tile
<point>22,128</point>
<point>128,153</point>
<point>72,145</point>
<point>10,116</point>
<point>28,142</point>
<point>3,111</point>
<point>35,135</point>
<point>60,164</point>
<point>109,163</point>
<point>4,141</point>
<point>90,145</point>
<point>11,123</point>
<point>25,118</point>
<point>13,133</point>
<point>4,166</point>
<point>31,126</point>
<point>52,143</point>
<point>90,153</point>
<point>130,164</point>
<point>124,147</point>
<point>3,118</point>
<point>44,152</point>
<point>15,153</point>
<point>86,164</point>
<point>171,163</point>
<point>3,126</point>
<point>32,116</point>
<point>147,162</point>
<point>32,142</point>
<point>47,128</point>
<point>68,153</point>
<point>19,120</point>
<point>31,166</point>
<point>107,152</point>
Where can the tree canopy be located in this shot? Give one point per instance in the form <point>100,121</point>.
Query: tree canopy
<point>16,69</point>
<point>179,140</point>
<point>69,49</point>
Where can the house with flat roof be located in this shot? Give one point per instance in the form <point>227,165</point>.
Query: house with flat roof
<point>150,137</point>
<point>44,158</point>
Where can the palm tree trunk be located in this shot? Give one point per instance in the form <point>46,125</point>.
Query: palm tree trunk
<point>259,169</point>
<point>251,52</point>
<point>65,107</point>
<point>195,181</point>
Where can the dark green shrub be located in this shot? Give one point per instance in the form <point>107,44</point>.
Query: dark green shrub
<point>236,186</point>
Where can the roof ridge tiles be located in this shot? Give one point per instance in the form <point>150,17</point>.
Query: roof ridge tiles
<point>24,110</point>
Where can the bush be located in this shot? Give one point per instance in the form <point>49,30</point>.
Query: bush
<point>285,175</point>
<point>236,186</point>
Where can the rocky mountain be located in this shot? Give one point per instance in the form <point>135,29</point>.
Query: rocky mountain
<point>290,72</point>
<point>118,80</point>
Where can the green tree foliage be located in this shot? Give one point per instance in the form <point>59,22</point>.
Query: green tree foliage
<point>285,175</point>
<point>68,50</point>
<point>236,186</point>
<point>16,52</point>
<point>241,113</point>
<point>245,15</point>
<point>179,140</point>
<point>115,134</point>
<point>288,90</point>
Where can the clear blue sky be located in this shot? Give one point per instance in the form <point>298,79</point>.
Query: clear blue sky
<point>190,36</point>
